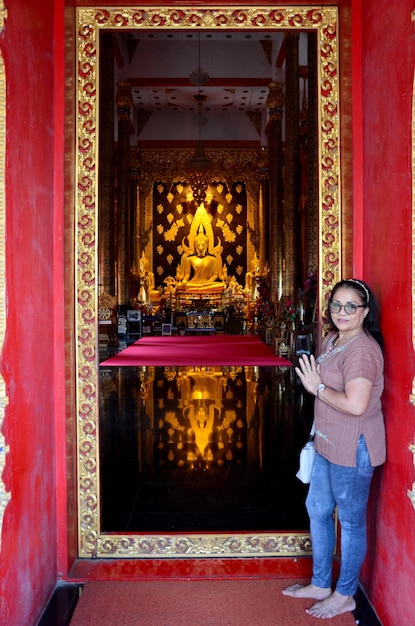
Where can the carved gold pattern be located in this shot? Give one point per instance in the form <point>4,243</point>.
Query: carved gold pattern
<point>3,15</point>
<point>4,449</point>
<point>89,22</point>
<point>212,545</point>
<point>411,492</point>
<point>229,164</point>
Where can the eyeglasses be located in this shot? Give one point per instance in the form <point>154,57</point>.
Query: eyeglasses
<point>350,308</point>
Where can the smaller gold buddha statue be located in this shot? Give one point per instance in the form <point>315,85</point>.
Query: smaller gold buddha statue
<point>146,280</point>
<point>251,288</point>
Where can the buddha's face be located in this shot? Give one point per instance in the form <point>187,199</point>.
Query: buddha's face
<point>202,415</point>
<point>200,246</point>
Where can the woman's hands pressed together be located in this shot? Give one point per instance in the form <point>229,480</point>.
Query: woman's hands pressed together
<point>309,373</point>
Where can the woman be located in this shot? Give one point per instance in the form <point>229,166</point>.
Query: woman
<point>347,380</point>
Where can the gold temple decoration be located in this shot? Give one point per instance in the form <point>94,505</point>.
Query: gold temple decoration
<point>201,262</point>
<point>4,449</point>
<point>276,98</point>
<point>411,492</point>
<point>3,15</point>
<point>90,21</point>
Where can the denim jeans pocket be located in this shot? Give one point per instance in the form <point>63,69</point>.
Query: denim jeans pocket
<point>363,464</point>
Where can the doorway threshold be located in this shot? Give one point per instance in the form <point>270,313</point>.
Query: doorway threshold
<point>209,568</point>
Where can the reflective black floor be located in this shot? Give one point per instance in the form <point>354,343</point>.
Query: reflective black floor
<point>197,450</point>
<point>202,449</point>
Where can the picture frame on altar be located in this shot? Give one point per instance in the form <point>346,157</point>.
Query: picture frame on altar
<point>165,330</point>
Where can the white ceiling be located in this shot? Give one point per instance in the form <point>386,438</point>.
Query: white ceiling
<point>240,66</point>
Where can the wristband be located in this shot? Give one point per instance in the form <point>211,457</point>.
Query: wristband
<point>320,387</point>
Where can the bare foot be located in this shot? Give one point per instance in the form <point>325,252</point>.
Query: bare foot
<point>307,591</point>
<point>336,604</point>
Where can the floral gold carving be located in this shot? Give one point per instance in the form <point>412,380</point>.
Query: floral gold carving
<point>411,492</point>
<point>4,449</point>
<point>3,15</point>
<point>224,545</point>
<point>90,21</point>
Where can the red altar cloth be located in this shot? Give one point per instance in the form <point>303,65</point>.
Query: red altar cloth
<point>213,350</point>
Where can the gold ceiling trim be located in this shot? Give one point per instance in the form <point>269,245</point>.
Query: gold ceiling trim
<point>324,20</point>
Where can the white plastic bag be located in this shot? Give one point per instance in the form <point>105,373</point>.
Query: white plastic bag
<point>307,456</point>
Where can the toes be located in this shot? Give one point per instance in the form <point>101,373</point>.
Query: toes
<point>288,591</point>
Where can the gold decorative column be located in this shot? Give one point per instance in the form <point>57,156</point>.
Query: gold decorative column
<point>313,227</point>
<point>106,233</point>
<point>5,493</point>
<point>292,249</point>
<point>124,104</point>
<point>275,103</point>
<point>263,215</point>
<point>135,212</point>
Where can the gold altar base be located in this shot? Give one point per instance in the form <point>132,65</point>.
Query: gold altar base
<point>199,301</point>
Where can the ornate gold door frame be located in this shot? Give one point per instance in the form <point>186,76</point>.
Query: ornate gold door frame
<point>4,449</point>
<point>92,542</point>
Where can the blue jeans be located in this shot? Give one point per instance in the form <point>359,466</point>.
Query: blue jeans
<point>348,488</point>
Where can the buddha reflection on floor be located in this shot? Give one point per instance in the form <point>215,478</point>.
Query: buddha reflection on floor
<point>201,397</point>
<point>209,449</point>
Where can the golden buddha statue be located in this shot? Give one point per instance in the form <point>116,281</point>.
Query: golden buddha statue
<point>201,263</point>
<point>146,281</point>
<point>251,287</point>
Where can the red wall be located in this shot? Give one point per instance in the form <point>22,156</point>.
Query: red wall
<point>388,66</point>
<point>32,354</point>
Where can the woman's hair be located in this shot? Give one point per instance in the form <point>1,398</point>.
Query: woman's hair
<point>371,321</point>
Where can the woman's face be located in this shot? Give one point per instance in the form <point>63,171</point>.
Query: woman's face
<point>342,320</point>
